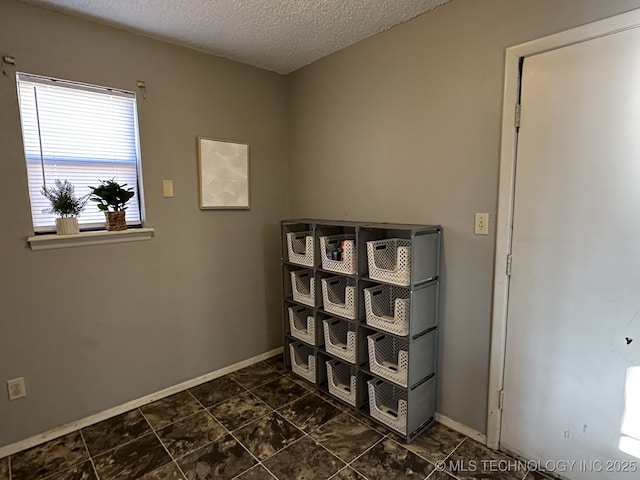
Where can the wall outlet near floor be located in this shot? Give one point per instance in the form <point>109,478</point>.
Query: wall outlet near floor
<point>16,388</point>
<point>482,224</point>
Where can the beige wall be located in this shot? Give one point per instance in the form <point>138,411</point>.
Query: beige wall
<point>93,327</point>
<point>405,127</point>
<point>401,127</point>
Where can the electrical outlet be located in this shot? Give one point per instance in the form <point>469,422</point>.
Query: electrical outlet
<point>16,388</point>
<point>482,224</point>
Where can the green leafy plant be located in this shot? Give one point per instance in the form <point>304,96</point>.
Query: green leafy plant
<point>111,196</point>
<point>63,201</point>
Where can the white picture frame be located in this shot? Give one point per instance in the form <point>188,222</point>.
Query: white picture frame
<point>223,170</point>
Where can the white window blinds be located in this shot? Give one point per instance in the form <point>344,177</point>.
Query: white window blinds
<point>80,133</point>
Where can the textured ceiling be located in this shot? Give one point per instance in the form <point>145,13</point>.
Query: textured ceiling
<point>278,35</point>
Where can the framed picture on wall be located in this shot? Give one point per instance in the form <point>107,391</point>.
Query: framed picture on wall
<point>223,169</point>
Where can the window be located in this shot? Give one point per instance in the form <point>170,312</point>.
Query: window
<point>80,133</point>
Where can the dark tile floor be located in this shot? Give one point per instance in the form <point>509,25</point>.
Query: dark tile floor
<point>254,424</point>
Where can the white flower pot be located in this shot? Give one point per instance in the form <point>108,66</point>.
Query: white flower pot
<point>67,226</point>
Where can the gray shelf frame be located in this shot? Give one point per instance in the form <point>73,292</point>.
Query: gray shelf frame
<point>424,291</point>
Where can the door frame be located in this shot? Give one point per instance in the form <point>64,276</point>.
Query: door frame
<point>513,60</point>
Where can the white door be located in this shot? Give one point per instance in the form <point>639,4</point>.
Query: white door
<point>572,370</point>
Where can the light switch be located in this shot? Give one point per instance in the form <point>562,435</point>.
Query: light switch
<point>167,188</point>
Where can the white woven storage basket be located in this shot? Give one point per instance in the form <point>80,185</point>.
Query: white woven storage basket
<point>303,361</point>
<point>389,357</point>
<point>303,287</point>
<point>388,404</point>
<point>349,262</point>
<point>339,296</point>
<point>387,308</point>
<point>300,248</point>
<point>302,324</point>
<point>340,339</point>
<point>341,380</point>
<point>390,261</point>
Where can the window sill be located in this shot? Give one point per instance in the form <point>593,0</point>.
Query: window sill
<point>83,239</point>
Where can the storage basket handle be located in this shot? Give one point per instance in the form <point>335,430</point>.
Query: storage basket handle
<point>381,247</point>
<point>389,413</point>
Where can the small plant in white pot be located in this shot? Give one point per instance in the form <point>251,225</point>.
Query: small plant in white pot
<point>65,205</point>
<point>112,198</point>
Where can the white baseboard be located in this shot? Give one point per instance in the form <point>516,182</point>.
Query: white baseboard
<point>459,427</point>
<point>125,407</point>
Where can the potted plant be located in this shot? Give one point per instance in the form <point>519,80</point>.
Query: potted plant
<point>112,198</point>
<point>65,205</point>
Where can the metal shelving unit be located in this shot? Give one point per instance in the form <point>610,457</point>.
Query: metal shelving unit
<point>399,390</point>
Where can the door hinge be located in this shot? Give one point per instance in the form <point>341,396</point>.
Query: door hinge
<point>508,265</point>
<point>501,400</point>
<point>516,120</point>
